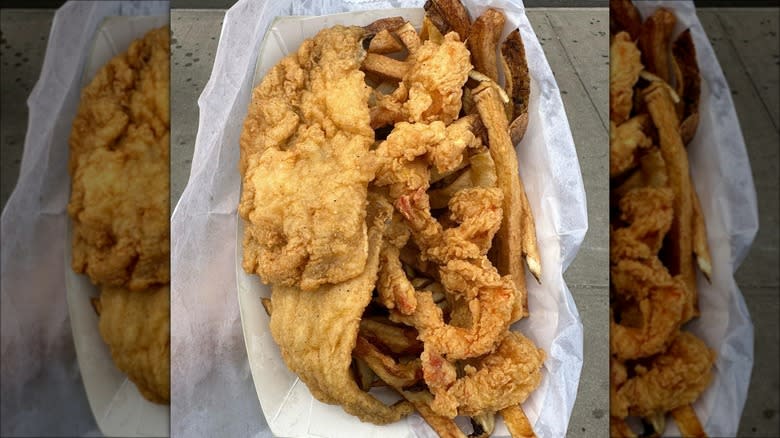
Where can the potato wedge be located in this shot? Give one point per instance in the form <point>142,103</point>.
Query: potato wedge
<point>387,23</point>
<point>624,17</point>
<point>384,42</point>
<point>483,42</point>
<point>517,422</point>
<point>662,111</point>
<point>449,15</point>
<point>513,241</point>
<point>517,83</point>
<point>385,67</point>
<point>654,43</point>
<point>688,422</point>
<point>684,53</point>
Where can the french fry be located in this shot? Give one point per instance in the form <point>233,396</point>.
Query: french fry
<point>387,23</point>
<point>700,246</point>
<point>364,377</point>
<point>684,53</point>
<point>267,305</point>
<point>624,16</point>
<point>398,340</point>
<point>384,42</point>
<point>449,15</point>
<point>510,237</point>
<point>443,426</point>
<point>654,42</point>
<point>96,306</point>
<point>429,31</point>
<point>483,425</point>
<point>688,422</point>
<point>662,111</point>
<point>516,422</point>
<point>397,375</point>
<point>517,83</point>
<point>408,35</point>
<point>483,42</point>
<point>385,67</point>
<point>619,429</point>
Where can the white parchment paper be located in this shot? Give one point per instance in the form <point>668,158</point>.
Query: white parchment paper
<point>722,178</point>
<point>42,387</point>
<point>212,389</point>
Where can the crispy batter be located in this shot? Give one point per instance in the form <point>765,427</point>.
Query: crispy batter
<point>625,141</point>
<point>624,68</point>
<point>483,41</point>
<point>305,156</point>
<point>675,378</point>
<point>317,331</point>
<point>502,379</point>
<point>119,148</point>
<point>136,327</point>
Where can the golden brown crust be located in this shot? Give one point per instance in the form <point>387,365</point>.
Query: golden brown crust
<point>119,148</point>
<point>136,327</point>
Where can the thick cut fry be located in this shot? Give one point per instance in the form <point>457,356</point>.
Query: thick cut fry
<point>384,42</point>
<point>624,16</point>
<point>483,425</point>
<point>410,38</point>
<point>387,23</point>
<point>517,423</point>
<point>685,56</point>
<point>398,340</point>
<point>397,375</point>
<point>517,235</point>
<point>661,108</point>
<point>700,246</point>
<point>449,15</point>
<point>654,42</point>
<point>483,42</point>
<point>267,305</point>
<point>443,426</point>
<point>688,422</point>
<point>430,32</point>
<point>385,67</point>
<point>517,83</point>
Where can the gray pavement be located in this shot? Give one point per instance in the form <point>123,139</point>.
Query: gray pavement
<point>746,43</point>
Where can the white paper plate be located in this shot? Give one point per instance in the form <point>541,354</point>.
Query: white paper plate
<point>119,409</point>
<point>289,407</point>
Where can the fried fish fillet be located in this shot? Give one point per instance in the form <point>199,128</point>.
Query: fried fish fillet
<point>306,165</point>
<point>136,326</point>
<point>119,148</point>
<point>317,330</point>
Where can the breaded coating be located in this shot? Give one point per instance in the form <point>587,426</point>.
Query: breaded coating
<point>136,326</point>
<point>119,148</point>
<point>624,67</point>
<point>306,165</point>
